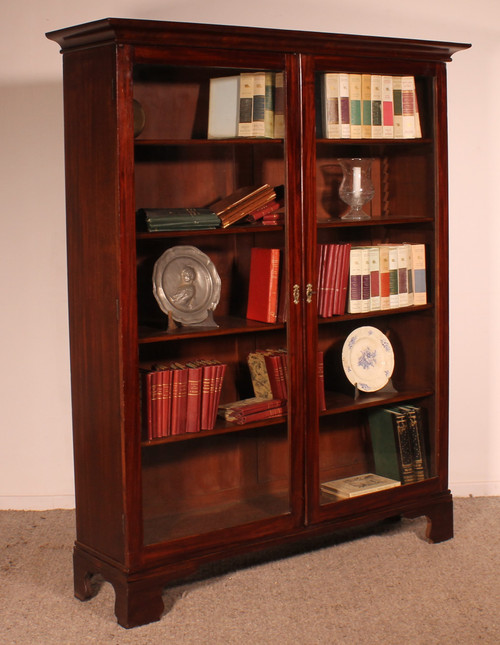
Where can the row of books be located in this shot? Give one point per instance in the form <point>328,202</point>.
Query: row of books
<point>369,106</point>
<point>181,397</point>
<point>399,443</point>
<point>359,278</point>
<point>386,277</point>
<point>268,371</point>
<point>260,203</point>
<point>250,104</point>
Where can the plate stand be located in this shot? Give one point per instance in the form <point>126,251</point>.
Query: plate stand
<point>387,389</point>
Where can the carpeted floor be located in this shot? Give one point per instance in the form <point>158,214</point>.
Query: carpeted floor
<point>387,586</point>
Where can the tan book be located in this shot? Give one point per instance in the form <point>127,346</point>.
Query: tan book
<point>358,485</point>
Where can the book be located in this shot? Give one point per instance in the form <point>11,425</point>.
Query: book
<point>242,202</point>
<point>366,106</point>
<point>355,105</point>
<point>223,107</point>
<point>252,409</point>
<point>403,297</point>
<point>279,105</point>
<point>245,105</point>
<point>194,395</point>
<point>385,288</point>
<point>258,373</point>
<point>387,108</point>
<point>417,440</point>
<point>365,279</point>
<point>331,113</point>
<point>408,99</point>
<point>393,278</point>
<point>374,259</point>
<point>262,302</point>
<point>377,122</point>
<point>419,274</point>
<point>344,107</point>
<point>358,485</point>
<point>177,219</point>
<point>354,305</point>
<point>392,452</point>
<point>397,99</point>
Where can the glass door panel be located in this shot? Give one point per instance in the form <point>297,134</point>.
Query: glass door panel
<point>215,437</point>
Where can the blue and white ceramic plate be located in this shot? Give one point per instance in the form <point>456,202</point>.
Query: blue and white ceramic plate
<point>368,359</point>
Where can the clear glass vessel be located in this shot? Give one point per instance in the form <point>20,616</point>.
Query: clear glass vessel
<point>356,188</point>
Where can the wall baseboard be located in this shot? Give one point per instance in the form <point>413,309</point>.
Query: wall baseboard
<point>36,503</point>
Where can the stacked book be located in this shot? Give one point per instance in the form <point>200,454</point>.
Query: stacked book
<point>250,104</point>
<point>369,106</point>
<point>269,374</point>
<point>399,443</point>
<point>178,219</point>
<point>358,485</point>
<point>181,397</point>
<point>248,200</point>
<point>386,277</point>
<point>333,273</point>
<point>253,409</point>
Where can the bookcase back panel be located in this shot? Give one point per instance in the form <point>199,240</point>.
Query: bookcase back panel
<point>213,483</point>
<point>402,176</point>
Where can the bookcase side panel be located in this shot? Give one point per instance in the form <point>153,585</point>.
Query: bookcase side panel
<point>93,282</point>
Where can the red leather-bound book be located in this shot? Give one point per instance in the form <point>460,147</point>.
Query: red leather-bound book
<point>193,407</point>
<point>179,398</point>
<point>263,285</point>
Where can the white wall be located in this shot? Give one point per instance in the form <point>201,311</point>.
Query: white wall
<point>35,427</point>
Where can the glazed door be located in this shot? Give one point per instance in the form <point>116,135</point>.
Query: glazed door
<point>220,448</point>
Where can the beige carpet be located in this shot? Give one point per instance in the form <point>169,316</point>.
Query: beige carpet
<point>388,586</point>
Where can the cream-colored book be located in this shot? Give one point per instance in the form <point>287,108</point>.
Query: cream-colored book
<point>331,115</point>
<point>355,105</point>
<point>358,485</point>
<point>245,128</point>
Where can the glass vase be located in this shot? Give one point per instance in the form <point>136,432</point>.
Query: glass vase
<point>356,188</point>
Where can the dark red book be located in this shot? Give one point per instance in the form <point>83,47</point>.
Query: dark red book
<point>263,285</point>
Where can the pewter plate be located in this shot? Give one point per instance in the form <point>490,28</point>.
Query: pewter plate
<point>368,359</point>
<point>186,284</point>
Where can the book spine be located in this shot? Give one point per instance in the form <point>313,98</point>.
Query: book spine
<point>279,105</point>
<point>387,108</point>
<point>366,106</point>
<point>331,113</point>
<point>259,376</point>
<point>259,103</point>
<point>245,114</point>
<point>419,274</point>
<point>374,258</point>
<point>398,106</point>
<point>355,282</point>
<point>344,107</point>
<point>365,280</point>
<point>377,123</point>
<point>408,101</point>
<point>355,105</point>
<point>263,285</point>
<point>385,288</point>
